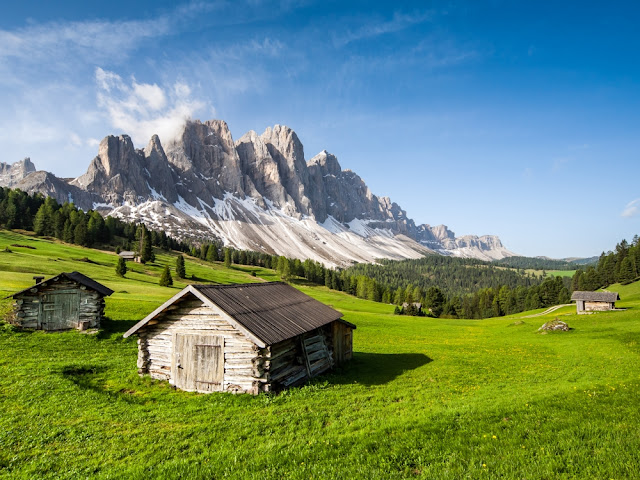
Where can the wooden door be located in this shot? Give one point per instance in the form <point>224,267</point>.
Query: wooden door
<point>59,310</point>
<point>198,362</point>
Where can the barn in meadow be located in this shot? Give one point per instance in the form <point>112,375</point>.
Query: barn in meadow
<point>64,302</point>
<point>250,338</point>
<point>595,301</point>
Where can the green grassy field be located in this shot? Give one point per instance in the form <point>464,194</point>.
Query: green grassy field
<point>423,398</point>
<point>552,273</point>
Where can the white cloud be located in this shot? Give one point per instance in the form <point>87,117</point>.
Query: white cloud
<point>632,209</point>
<point>142,110</point>
<point>152,95</point>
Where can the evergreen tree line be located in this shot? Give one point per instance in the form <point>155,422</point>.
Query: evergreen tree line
<point>66,222</point>
<point>482,303</point>
<point>619,266</point>
<point>452,275</point>
<point>535,263</point>
<point>462,288</point>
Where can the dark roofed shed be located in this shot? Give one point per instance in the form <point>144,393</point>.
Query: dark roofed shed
<point>594,301</point>
<point>66,301</point>
<point>242,338</point>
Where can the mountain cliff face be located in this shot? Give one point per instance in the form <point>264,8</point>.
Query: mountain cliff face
<point>11,174</point>
<point>258,193</point>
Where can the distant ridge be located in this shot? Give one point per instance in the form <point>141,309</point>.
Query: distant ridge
<point>257,193</point>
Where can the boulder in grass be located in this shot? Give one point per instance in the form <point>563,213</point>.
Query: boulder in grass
<point>554,325</point>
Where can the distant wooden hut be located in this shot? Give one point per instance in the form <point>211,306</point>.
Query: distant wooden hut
<point>595,301</point>
<point>66,301</point>
<point>248,338</point>
<point>128,256</point>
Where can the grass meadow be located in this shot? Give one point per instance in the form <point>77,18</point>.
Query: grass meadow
<point>422,398</point>
<point>551,273</point>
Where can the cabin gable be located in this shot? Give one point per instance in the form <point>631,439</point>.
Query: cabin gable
<point>171,343</point>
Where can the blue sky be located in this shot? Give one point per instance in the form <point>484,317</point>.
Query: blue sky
<point>520,119</point>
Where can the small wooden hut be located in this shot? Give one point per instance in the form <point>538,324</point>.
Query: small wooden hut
<point>128,256</point>
<point>595,301</point>
<point>66,301</point>
<point>247,338</point>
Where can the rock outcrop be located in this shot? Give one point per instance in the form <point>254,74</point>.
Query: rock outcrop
<point>258,193</point>
<point>11,174</point>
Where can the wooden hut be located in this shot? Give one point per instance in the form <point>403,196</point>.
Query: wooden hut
<point>248,338</point>
<point>128,256</point>
<point>595,301</point>
<point>66,301</point>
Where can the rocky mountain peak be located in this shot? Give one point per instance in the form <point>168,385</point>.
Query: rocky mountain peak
<point>287,151</point>
<point>327,162</point>
<point>154,145</point>
<point>118,173</point>
<point>442,233</point>
<point>257,193</point>
<point>116,154</point>
<point>12,173</point>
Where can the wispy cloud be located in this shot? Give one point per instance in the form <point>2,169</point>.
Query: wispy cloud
<point>632,209</point>
<point>142,109</point>
<point>559,163</point>
<point>94,40</point>
<point>375,27</point>
<point>88,39</point>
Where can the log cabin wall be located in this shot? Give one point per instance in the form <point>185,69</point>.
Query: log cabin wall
<point>342,336</point>
<point>597,306</point>
<point>245,364</point>
<point>59,305</point>
<point>298,359</point>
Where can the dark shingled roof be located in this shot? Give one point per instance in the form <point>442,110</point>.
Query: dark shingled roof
<point>76,277</point>
<point>267,313</point>
<point>595,296</point>
<point>273,311</point>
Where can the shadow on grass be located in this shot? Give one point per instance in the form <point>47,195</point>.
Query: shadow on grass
<point>303,282</point>
<point>195,278</point>
<point>377,368</point>
<point>89,377</point>
<point>108,327</point>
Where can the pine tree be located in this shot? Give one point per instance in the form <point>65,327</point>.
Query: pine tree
<point>285,272</point>
<point>626,275</point>
<point>121,267</point>
<point>398,296</point>
<point>180,270</point>
<point>67,232</point>
<point>212,253</point>
<point>165,278</point>
<point>227,258</point>
<point>434,301</point>
<point>80,233</point>
<point>146,254</point>
<point>40,222</point>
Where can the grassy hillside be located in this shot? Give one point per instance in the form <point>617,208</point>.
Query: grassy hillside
<point>423,398</point>
<point>135,295</point>
<point>552,273</point>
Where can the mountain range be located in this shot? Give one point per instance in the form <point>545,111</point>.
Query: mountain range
<point>257,193</point>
